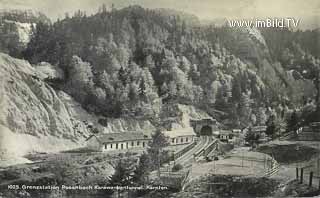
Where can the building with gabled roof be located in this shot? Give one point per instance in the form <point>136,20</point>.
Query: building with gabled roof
<point>226,136</point>
<point>118,141</point>
<point>180,136</point>
<point>259,129</point>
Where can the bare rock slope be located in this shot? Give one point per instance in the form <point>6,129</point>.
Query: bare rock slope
<point>35,117</point>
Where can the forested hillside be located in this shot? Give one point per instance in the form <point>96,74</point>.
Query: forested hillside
<point>134,61</point>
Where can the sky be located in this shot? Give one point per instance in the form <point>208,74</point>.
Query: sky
<point>308,11</point>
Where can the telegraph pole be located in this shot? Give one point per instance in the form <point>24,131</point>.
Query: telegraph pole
<point>159,162</point>
<point>242,158</point>
<point>318,167</point>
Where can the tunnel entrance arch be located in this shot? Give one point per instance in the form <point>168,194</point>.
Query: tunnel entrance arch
<point>206,131</point>
<point>204,127</point>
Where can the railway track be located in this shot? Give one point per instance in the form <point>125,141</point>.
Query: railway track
<point>187,158</point>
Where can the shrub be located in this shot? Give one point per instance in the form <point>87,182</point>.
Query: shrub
<point>177,167</point>
<point>10,175</point>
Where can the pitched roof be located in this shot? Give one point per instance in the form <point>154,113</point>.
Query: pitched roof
<point>236,130</point>
<point>120,137</point>
<point>225,132</point>
<point>180,132</point>
<point>259,128</point>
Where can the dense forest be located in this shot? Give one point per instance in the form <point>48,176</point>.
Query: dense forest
<point>133,61</point>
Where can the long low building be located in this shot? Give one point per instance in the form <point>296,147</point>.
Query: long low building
<point>180,136</point>
<point>118,141</point>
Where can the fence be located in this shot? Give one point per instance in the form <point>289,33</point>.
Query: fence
<point>300,177</point>
<point>272,166</point>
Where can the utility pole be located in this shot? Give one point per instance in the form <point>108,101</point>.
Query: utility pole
<point>159,162</point>
<point>318,166</point>
<point>301,175</point>
<point>242,158</point>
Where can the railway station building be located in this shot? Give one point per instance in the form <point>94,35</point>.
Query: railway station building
<point>118,141</point>
<point>180,136</point>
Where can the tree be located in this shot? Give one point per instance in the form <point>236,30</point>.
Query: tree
<point>123,174</point>
<point>261,116</point>
<point>97,99</point>
<point>184,65</point>
<point>123,76</point>
<point>133,92</point>
<point>142,89</point>
<point>103,9</point>
<point>252,138</point>
<point>37,49</point>
<point>172,89</point>
<point>236,89</point>
<point>140,174</point>
<point>245,108</point>
<point>271,127</point>
<point>80,81</point>
<point>159,141</point>
<point>223,96</point>
<point>309,68</point>
<point>149,62</point>
<point>164,89</point>
<point>194,74</point>
<point>293,122</point>
<point>275,125</point>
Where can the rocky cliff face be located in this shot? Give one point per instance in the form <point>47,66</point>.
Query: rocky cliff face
<point>37,118</point>
<point>34,116</point>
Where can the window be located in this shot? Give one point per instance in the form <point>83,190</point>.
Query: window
<point>138,143</point>
<point>132,143</point>
<point>117,146</point>
<point>127,145</point>
<point>121,146</point>
<point>106,146</point>
<point>172,140</point>
<point>111,145</point>
<point>143,144</point>
<point>181,140</point>
<point>187,139</point>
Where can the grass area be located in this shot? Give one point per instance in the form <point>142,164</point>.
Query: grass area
<point>295,189</point>
<point>230,186</point>
<point>290,152</point>
<point>239,161</point>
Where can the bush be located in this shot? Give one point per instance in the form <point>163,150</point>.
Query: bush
<point>177,167</point>
<point>10,175</point>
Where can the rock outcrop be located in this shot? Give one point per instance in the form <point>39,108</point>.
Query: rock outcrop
<point>34,115</point>
<point>37,118</point>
